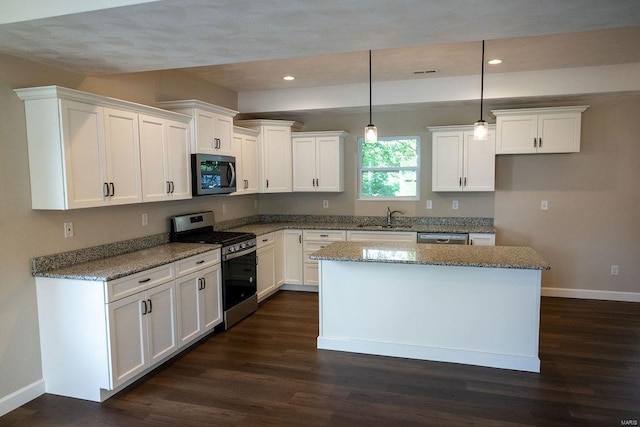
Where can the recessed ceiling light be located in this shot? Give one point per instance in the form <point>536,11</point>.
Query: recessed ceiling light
<point>288,78</point>
<point>495,61</point>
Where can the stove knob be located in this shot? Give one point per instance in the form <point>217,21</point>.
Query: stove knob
<point>232,249</point>
<point>243,245</point>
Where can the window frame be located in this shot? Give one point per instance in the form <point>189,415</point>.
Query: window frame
<point>360,141</point>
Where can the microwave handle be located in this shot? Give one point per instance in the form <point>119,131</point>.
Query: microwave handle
<point>232,181</point>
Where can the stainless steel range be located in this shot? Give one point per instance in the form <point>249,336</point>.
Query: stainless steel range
<point>239,280</point>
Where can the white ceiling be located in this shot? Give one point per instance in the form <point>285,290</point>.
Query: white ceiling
<point>248,45</point>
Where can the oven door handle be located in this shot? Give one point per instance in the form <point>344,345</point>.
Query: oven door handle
<point>247,251</point>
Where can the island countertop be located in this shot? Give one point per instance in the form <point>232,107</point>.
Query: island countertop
<point>432,254</point>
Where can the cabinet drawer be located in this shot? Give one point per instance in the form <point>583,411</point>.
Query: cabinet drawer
<point>265,239</point>
<point>129,285</point>
<point>385,236</point>
<point>311,247</point>
<point>324,235</point>
<point>197,262</point>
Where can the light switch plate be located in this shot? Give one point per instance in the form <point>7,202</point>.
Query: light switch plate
<point>544,205</point>
<point>325,204</point>
<point>454,205</point>
<point>145,219</point>
<point>429,204</point>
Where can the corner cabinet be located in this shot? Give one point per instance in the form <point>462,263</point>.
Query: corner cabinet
<point>318,161</point>
<point>538,130</point>
<point>482,239</point>
<point>245,150</point>
<point>84,149</point>
<point>211,127</point>
<point>274,153</point>
<point>459,163</point>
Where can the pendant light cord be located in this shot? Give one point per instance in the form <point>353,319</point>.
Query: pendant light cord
<point>370,117</point>
<point>482,81</point>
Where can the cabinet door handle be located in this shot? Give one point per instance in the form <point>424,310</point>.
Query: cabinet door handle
<point>173,187</point>
<point>148,279</point>
<point>150,306</point>
<point>460,182</point>
<point>168,187</point>
<point>267,183</point>
<point>113,189</point>
<point>535,142</point>
<point>317,182</point>
<point>539,142</point>
<point>465,181</point>
<point>144,307</point>
<point>105,190</point>
<point>300,238</point>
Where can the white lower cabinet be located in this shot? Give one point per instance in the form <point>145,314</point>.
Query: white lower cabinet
<point>314,240</point>
<point>482,239</point>
<point>199,303</point>
<point>120,329</point>
<point>142,331</point>
<point>266,268</point>
<point>293,266</point>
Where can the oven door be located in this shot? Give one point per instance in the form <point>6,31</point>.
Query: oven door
<point>239,277</point>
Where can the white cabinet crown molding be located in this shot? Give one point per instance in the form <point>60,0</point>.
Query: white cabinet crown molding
<point>48,92</point>
<point>194,103</point>
<point>542,110</point>
<point>257,123</point>
<point>245,131</point>
<point>455,128</point>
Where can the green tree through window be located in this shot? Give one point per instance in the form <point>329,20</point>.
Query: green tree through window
<point>389,167</point>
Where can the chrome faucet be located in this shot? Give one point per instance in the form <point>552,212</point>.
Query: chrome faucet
<point>390,215</point>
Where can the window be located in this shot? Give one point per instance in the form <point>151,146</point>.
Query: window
<point>389,168</point>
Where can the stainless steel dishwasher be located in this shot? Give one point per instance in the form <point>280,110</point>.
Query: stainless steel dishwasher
<point>444,238</point>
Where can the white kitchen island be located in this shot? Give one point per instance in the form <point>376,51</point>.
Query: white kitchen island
<point>462,304</point>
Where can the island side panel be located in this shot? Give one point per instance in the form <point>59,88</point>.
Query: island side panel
<point>479,316</point>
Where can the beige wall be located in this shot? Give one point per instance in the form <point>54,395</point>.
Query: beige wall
<point>27,233</point>
<point>593,219</point>
<point>393,123</point>
<point>593,196</point>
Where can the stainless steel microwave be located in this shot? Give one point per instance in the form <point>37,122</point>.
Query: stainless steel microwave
<point>213,174</point>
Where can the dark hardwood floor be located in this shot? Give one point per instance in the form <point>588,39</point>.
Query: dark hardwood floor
<point>267,371</point>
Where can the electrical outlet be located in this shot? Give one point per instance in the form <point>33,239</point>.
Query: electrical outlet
<point>68,229</point>
<point>454,205</point>
<point>145,219</point>
<point>429,204</point>
<point>325,204</point>
<point>544,205</point>
<point>224,208</point>
<point>614,270</point>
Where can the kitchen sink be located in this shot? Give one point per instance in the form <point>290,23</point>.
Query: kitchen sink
<point>385,227</point>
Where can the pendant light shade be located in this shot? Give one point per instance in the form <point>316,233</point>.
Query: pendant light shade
<point>481,128</point>
<point>370,132</point>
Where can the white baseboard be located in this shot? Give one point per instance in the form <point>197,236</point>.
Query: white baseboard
<point>589,294</point>
<point>20,397</point>
<point>302,288</point>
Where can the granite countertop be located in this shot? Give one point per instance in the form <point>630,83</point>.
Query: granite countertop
<point>419,253</point>
<point>268,227</point>
<point>114,267</point>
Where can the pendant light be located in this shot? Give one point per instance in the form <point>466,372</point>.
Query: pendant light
<point>481,128</point>
<point>370,132</point>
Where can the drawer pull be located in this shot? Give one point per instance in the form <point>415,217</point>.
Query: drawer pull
<point>265,240</point>
<point>148,279</point>
<point>324,235</point>
<point>200,262</point>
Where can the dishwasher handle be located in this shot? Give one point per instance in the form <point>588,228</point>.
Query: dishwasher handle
<point>444,238</point>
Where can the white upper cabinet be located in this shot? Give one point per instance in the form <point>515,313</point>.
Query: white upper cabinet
<point>318,161</point>
<point>274,153</point>
<point>245,150</point>
<point>211,128</point>
<point>538,130</point>
<point>459,163</point>
<point>84,149</point>
<point>164,148</point>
